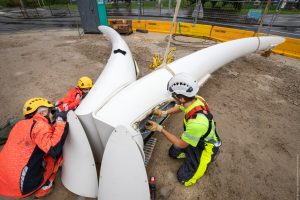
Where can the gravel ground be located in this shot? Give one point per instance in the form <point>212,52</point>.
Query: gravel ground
<point>255,101</point>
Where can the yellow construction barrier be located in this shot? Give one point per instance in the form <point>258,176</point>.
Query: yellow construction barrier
<point>138,24</point>
<point>291,47</point>
<point>159,26</point>
<point>226,34</point>
<point>193,29</point>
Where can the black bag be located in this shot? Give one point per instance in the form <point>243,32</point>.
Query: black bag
<point>5,130</point>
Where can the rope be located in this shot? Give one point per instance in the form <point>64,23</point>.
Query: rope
<point>170,70</point>
<point>258,38</point>
<point>170,37</point>
<point>263,17</point>
<point>202,43</point>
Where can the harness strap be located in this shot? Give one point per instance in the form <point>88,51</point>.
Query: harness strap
<point>192,114</point>
<point>198,109</point>
<point>201,109</point>
<point>217,133</point>
<point>204,102</point>
<point>208,130</point>
<point>33,123</point>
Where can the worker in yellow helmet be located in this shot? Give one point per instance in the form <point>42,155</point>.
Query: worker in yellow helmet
<point>199,143</point>
<point>74,96</point>
<point>33,152</point>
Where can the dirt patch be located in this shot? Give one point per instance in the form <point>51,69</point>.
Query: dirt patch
<point>255,101</point>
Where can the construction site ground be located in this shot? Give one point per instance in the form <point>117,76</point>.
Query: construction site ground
<point>255,102</point>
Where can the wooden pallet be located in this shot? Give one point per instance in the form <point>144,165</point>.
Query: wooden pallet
<point>122,26</point>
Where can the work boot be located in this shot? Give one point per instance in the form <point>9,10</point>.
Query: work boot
<point>44,190</point>
<point>216,151</point>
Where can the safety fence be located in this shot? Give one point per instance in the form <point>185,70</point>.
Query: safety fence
<point>291,47</point>
<point>282,16</point>
<point>215,11</point>
<point>43,8</point>
<point>232,11</point>
<point>229,11</point>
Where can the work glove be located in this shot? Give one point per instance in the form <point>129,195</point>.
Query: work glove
<point>61,116</point>
<point>153,126</point>
<point>159,112</point>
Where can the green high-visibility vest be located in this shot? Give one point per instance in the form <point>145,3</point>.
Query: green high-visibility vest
<point>195,128</point>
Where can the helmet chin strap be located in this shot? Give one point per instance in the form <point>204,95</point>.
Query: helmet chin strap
<point>177,100</point>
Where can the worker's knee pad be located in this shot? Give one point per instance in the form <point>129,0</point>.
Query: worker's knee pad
<point>176,152</point>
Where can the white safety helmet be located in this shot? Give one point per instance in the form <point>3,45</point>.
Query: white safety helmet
<point>183,84</point>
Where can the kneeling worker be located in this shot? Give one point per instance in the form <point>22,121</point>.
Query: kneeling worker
<point>33,152</point>
<point>74,96</point>
<point>199,142</point>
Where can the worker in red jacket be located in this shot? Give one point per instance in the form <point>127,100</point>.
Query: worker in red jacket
<point>33,152</point>
<point>72,99</point>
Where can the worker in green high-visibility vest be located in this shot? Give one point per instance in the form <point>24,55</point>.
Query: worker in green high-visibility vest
<point>199,143</point>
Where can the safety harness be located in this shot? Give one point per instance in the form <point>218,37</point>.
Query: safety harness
<point>192,114</point>
<point>33,123</point>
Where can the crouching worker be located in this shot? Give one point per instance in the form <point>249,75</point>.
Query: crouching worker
<point>74,96</point>
<point>199,143</point>
<point>33,152</point>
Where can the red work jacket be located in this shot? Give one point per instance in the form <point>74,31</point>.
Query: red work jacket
<point>71,101</point>
<point>22,159</point>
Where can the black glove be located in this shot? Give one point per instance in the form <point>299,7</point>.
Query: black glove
<point>60,116</point>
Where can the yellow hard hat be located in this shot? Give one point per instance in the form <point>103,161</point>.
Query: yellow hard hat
<point>85,82</point>
<point>33,104</point>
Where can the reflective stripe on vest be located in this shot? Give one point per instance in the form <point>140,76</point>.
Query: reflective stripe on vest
<point>190,137</point>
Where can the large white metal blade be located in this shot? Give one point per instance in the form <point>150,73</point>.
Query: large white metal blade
<point>79,173</point>
<point>208,60</point>
<point>120,71</point>
<point>123,174</point>
<point>141,96</point>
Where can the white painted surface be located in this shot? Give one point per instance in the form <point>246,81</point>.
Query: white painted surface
<point>123,174</point>
<point>119,71</point>
<point>208,60</point>
<point>134,101</point>
<point>79,173</point>
<point>144,94</point>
